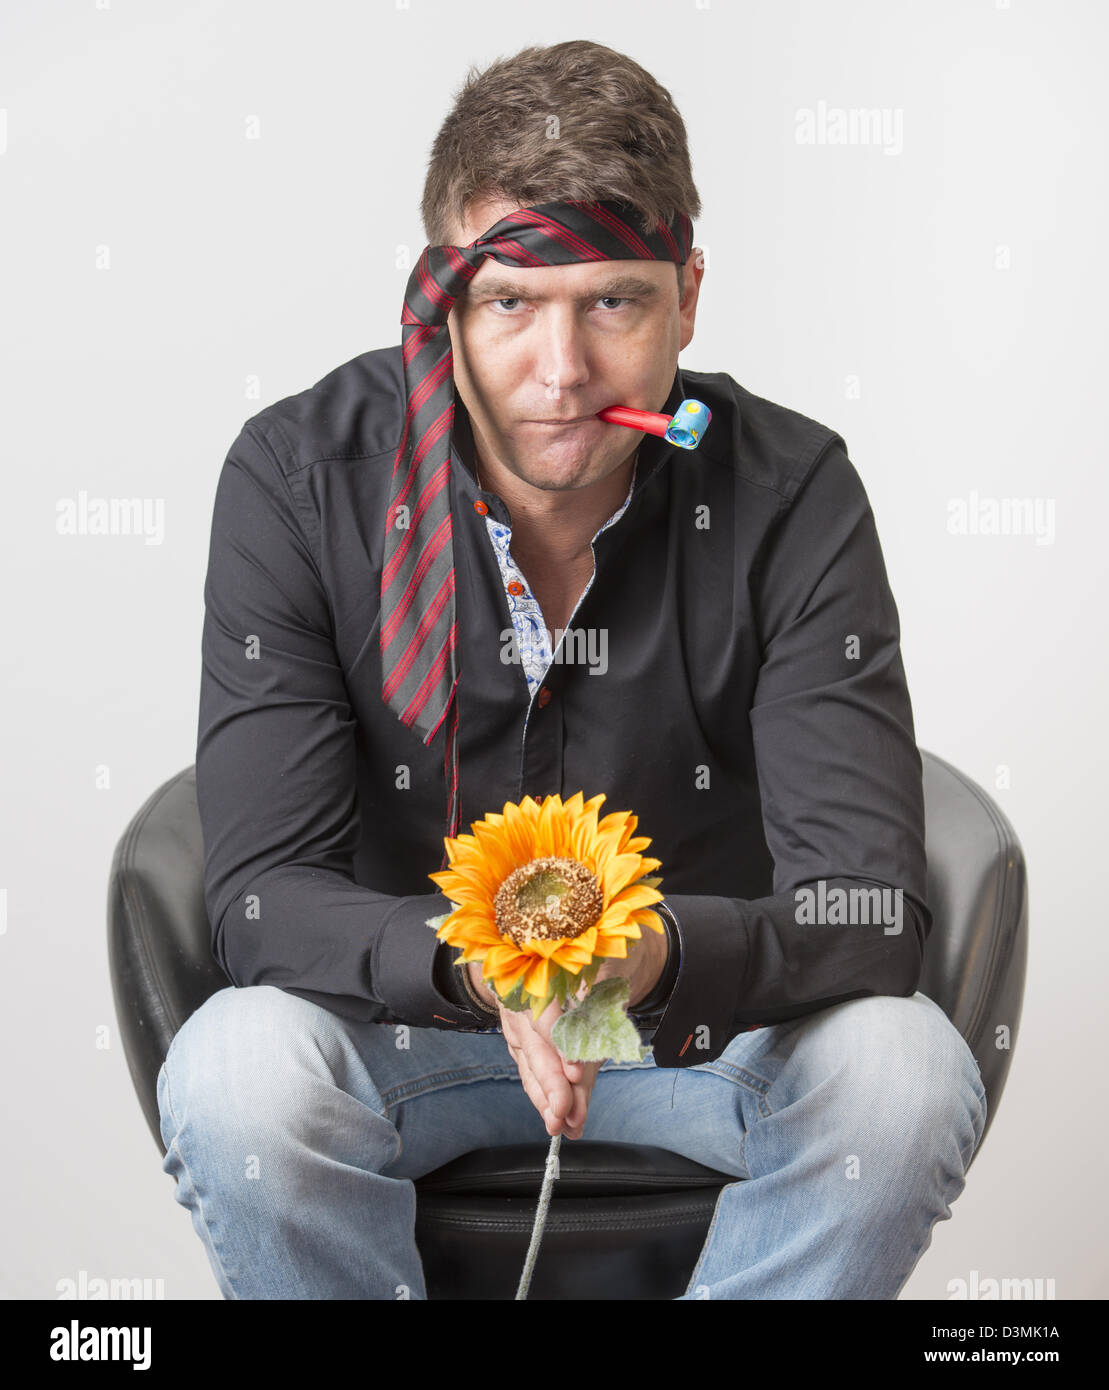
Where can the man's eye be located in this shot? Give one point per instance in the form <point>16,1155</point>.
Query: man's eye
<point>610,297</point>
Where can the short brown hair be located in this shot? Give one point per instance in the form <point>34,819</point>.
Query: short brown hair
<point>620,137</point>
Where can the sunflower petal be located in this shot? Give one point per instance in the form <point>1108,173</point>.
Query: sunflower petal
<point>475,881</point>
<point>651,920</point>
<point>637,895</point>
<point>495,851</point>
<point>537,980</point>
<point>519,834</point>
<point>614,946</point>
<point>619,873</point>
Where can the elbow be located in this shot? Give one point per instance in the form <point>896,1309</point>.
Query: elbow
<point>218,938</point>
<point>907,950</point>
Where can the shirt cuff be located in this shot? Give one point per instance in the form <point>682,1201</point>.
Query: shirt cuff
<point>407,969</point>
<point>696,1025</point>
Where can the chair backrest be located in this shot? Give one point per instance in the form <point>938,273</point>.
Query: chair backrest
<point>162,967</point>
<point>977,952</point>
<point>159,940</point>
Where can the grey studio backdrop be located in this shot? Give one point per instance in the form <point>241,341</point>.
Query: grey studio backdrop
<point>208,206</point>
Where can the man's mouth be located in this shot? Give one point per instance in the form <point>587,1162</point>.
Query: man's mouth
<point>561,424</point>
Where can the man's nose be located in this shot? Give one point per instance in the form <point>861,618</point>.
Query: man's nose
<point>560,352</point>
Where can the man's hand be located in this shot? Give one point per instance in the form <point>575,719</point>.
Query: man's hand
<point>642,966</point>
<point>558,1089</point>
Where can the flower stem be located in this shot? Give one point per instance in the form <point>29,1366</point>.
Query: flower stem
<point>540,1216</point>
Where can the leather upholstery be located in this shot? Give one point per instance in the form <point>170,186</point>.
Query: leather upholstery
<point>626,1221</point>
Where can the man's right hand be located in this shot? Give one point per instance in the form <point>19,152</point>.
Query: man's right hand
<point>558,1089</point>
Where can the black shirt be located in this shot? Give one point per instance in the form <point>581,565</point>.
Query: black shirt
<point>752,712</point>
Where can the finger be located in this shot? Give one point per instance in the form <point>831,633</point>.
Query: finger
<point>546,1066</point>
<point>543,1025</point>
<point>575,1118</point>
<point>533,1090</point>
<point>536,1084</point>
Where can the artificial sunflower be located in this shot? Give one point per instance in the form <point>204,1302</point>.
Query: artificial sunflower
<point>544,892</point>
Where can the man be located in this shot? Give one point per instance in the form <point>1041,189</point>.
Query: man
<point>745,698</point>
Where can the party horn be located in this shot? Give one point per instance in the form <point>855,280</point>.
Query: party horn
<point>685,427</point>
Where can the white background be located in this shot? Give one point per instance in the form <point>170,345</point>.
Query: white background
<point>942,305</point>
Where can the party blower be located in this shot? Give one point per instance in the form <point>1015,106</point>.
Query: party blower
<point>686,427</point>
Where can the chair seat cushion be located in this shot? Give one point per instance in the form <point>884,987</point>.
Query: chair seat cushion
<point>585,1169</point>
<point>627,1221</point>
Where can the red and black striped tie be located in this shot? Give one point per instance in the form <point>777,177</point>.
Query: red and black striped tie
<point>418,635</point>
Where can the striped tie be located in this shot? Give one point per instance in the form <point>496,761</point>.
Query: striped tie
<point>418,635</point>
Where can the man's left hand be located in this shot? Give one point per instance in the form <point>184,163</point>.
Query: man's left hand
<point>642,966</point>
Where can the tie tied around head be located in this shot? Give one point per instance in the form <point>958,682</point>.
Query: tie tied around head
<point>418,636</point>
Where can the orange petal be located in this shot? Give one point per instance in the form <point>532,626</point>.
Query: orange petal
<point>616,921</point>
<point>572,957</point>
<point>615,946</point>
<point>519,834</point>
<point>545,835</point>
<point>497,856</point>
<point>620,872</point>
<point>538,977</point>
<point>539,947</point>
<point>651,920</point>
<point>637,895</point>
<point>460,885</point>
<point>587,939</point>
<point>506,954</point>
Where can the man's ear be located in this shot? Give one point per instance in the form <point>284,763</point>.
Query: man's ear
<point>694,270</point>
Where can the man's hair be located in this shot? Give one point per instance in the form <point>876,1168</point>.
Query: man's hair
<point>575,120</point>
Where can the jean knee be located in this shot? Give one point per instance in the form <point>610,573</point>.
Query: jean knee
<point>906,1067</point>
<point>243,1054</point>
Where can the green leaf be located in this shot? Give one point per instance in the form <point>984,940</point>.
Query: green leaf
<point>599,1029</point>
<point>589,974</point>
<point>515,1000</point>
<point>437,922</point>
<point>538,1006</point>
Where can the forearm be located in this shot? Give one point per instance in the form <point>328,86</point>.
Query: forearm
<point>748,963</point>
<point>362,953</point>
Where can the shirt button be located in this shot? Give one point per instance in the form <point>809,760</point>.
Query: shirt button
<point>479,506</point>
<point>516,587</point>
<point>544,696</point>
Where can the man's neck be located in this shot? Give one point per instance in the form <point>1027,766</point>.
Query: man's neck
<point>552,529</point>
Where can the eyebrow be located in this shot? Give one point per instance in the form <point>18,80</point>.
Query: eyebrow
<point>617,286</point>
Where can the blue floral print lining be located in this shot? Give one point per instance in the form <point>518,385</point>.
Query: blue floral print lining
<point>527,618</point>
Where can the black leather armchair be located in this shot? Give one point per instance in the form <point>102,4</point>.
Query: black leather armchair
<point>626,1221</point>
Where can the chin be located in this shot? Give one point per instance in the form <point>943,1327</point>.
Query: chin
<point>560,470</point>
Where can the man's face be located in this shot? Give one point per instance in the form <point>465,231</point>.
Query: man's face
<point>552,344</point>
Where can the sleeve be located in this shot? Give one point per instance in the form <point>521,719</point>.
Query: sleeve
<point>840,779</point>
<point>276,782</point>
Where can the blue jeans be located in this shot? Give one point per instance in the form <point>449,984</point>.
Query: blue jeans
<point>293,1137</point>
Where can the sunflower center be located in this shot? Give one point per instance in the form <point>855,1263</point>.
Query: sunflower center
<point>548,898</point>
